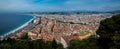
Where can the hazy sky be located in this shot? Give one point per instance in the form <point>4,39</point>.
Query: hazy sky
<point>59,5</point>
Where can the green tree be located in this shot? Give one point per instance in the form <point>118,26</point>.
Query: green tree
<point>5,46</point>
<point>24,36</point>
<point>54,44</point>
<point>37,44</point>
<point>60,46</point>
<point>109,31</point>
<point>20,44</point>
<point>90,43</point>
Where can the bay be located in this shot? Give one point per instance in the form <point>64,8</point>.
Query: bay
<point>9,22</point>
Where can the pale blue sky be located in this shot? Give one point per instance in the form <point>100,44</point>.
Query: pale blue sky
<point>59,5</point>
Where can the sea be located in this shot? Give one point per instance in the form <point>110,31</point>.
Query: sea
<point>10,22</point>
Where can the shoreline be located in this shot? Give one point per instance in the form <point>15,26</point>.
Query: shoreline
<point>16,29</point>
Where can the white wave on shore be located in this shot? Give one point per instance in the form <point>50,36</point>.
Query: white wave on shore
<point>16,29</point>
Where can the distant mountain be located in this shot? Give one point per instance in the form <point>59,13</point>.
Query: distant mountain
<point>64,12</point>
<point>116,11</point>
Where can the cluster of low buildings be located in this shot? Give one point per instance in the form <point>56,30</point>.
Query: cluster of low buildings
<point>63,28</point>
<point>66,26</point>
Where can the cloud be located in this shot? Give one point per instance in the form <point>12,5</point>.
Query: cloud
<point>30,5</point>
<point>58,5</point>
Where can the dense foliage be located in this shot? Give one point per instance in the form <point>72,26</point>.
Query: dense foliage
<point>109,32</point>
<point>25,43</point>
<point>90,43</point>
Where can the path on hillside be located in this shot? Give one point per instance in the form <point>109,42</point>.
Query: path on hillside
<point>63,42</point>
<point>85,36</point>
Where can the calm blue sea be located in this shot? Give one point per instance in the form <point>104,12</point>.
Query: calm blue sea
<point>9,22</point>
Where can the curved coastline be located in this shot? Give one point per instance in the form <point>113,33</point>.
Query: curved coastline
<point>16,29</point>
